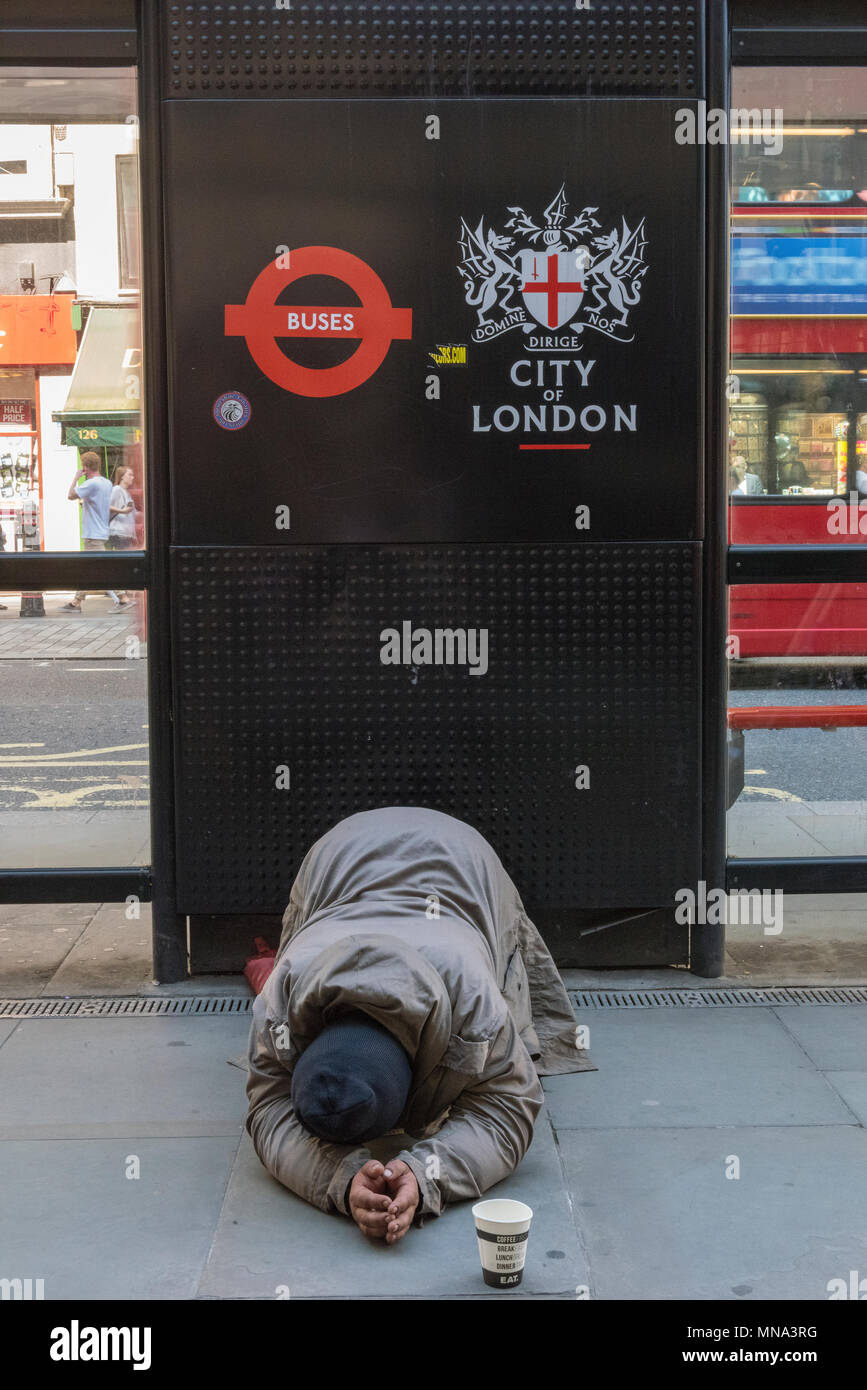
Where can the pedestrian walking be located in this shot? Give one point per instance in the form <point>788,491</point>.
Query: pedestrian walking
<point>94,492</point>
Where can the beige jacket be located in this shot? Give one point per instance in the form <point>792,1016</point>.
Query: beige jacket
<point>408,915</point>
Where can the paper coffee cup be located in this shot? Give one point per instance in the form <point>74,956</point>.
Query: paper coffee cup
<point>502,1228</point>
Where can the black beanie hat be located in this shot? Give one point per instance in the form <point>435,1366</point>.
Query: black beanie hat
<point>351,1083</point>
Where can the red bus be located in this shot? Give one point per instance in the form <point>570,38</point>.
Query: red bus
<point>798,402</point>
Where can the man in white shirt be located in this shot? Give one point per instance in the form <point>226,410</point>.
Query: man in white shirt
<point>93,491</point>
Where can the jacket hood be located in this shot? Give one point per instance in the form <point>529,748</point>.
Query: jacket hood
<point>387,862</point>
<point>382,976</point>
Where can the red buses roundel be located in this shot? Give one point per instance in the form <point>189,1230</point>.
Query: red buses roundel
<point>374,323</point>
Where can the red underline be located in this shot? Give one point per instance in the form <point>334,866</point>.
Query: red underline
<point>553,446</point>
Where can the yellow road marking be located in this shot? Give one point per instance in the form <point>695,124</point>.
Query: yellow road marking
<point>41,759</point>
<point>108,762</point>
<point>55,800</point>
<point>775,793</point>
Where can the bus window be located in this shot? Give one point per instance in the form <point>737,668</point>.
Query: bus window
<point>822,155</point>
<point>861,455</point>
<point>808,445</point>
<point>789,426</point>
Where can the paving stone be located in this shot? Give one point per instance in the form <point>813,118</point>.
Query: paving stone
<point>834,1037</point>
<point>702,1066</point>
<point>114,955</point>
<point>852,1086</point>
<point>31,953</point>
<point>159,1076</point>
<point>268,1237</point>
<point>46,914</point>
<point>660,1219</point>
<point>78,1222</point>
<point>78,839</point>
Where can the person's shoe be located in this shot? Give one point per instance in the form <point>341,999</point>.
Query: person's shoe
<point>70,607</point>
<point>122,603</point>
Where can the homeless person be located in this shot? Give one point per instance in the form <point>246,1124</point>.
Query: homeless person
<point>410,994</point>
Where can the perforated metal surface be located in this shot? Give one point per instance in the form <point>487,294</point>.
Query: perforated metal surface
<point>509,48</point>
<point>111,1007</point>
<point>717,998</point>
<point>591,662</point>
<point>582,1000</point>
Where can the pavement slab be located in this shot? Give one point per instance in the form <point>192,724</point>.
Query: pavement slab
<point>268,1239</point>
<point>80,1078</point>
<point>114,955</point>
<point>31,953</point>
<point>712,1066</point>
<point>661,1220</point>
<point>63,636</point>
<point>834,1037</point>
<point>851,1086</point>
<point>84,838</point>
<point>79,1222</point>
<point>47,914</point>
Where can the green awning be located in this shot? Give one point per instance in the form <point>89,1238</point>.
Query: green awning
<point>95,435</point>
<point>103,404</point>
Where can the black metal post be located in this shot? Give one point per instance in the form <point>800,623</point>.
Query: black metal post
<point>169,926</point>
<point>707,942</point>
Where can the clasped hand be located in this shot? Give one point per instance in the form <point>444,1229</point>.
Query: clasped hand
<point>383,1199</point>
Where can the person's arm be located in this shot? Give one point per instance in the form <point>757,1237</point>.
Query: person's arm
<point>73,494</point>
<point>487,1133</point>
<point>125,507</point>
<point>319,1172</point>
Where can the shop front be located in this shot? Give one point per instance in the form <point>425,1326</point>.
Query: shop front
<point>102,411</point>
<point>38,338</point>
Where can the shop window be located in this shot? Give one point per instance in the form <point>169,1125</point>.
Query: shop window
<point>128,222</point>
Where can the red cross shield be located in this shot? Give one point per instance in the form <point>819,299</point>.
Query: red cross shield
<point>551,285</point>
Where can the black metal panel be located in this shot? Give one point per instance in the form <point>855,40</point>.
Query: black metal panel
<point>169,926</point>
<point>781,16</point>
<point>829,874</point>
<point>62,47</point>
<point>58,32</point>
<point>616,412</point>
<point>797,564</point>
<point>223,944</point>
<point>64,569</point>
<point>68,14</point>
<point>591,661</point>
<point>629,939</point>
<point>773,47</point>
<point>74,885</point>
<point>707,943</point>
<point>218,50</point>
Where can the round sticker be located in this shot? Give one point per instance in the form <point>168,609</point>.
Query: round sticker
<point>232,410</point>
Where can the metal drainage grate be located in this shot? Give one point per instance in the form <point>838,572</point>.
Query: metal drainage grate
<point>199,1006</point>
<point>716,998</point>
<point>193,1006</point>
